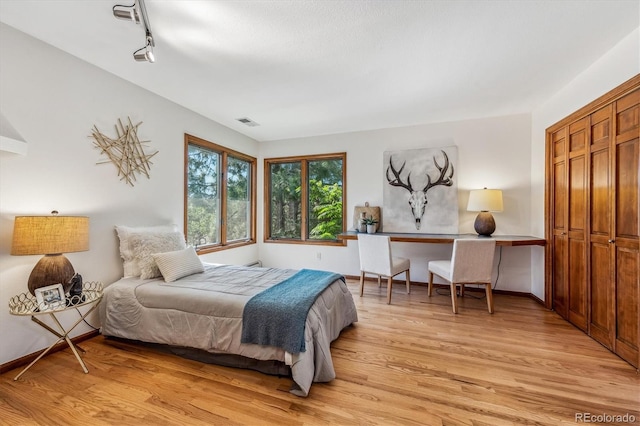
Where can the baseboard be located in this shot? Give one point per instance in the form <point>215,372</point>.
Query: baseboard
<point>8,366</point>
<point>537,299</point>
<point>436,285</point>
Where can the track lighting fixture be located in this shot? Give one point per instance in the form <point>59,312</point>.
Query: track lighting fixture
<point>137,12</point>
<point>129,13</point>
<point>145,53</point>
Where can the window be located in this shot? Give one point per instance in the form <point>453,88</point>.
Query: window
<point>219,196</point>
<point>305,198</point>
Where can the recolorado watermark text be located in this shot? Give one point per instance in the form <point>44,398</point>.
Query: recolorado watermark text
<point>604,418</point>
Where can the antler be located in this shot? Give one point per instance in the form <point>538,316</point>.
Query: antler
<point>398,181</point>
<point>443,171</point>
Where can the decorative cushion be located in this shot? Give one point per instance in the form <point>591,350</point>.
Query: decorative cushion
<point>149,243</point>
<point>129,262</point>
<point>174,265</point>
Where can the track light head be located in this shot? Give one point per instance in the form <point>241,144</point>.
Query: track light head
<point>145,53</point>
<point>146,56</point>
<point>128,13</point>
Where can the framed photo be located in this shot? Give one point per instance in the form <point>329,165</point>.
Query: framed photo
<point>50,297</point>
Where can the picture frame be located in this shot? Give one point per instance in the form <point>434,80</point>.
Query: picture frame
<point>50,297</point>
<point>420,190</point>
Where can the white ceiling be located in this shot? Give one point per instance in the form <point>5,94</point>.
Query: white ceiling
<point>303,68</point>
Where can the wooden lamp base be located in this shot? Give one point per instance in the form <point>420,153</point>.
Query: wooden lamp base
<point>51,269</point>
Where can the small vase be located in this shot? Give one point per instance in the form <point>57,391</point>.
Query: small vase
<point>371,229</point>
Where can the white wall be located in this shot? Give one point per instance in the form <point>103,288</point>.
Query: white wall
<point>614,68</point>
<point>492,152</point>
<point>54,100</point>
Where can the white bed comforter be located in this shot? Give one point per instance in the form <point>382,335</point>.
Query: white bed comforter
<point>204,311</point>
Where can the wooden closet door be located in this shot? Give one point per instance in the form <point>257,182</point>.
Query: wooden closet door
<point>577,253</point>
<point>601,278</point>
<point>558,216</point>
<point>627,223</point>
<point>592,220</point>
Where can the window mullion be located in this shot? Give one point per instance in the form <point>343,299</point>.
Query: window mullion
<point>223,198</point>
<point>304,197</point>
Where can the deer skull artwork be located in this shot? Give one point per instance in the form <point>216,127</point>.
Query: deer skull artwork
<point>418,198</point>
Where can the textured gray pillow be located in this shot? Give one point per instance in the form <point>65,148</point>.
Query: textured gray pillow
<point>147,244</point>
<point>174,265</point>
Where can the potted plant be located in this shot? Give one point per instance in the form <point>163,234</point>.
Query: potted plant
<point>371,224</point>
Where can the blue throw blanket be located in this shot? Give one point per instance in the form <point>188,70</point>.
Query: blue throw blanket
<point>277,316</point>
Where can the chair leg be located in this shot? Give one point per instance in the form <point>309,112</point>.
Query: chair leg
<point>389,281</point>
<point>461,290</point>
<point>361,283</point>
<point>454,301</point>
<point>408,282</point>
<point>430,283</point>
<point>489,298</point>
<point>379,281</point>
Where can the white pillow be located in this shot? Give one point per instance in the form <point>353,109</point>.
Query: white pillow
<point>178,264</point>
<point>149,243</point>
<point>129,262</point>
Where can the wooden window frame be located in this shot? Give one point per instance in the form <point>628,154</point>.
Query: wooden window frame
<point>304,161</point>
<point>224,153</point>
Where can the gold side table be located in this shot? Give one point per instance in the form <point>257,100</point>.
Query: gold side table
<point>25,304</point>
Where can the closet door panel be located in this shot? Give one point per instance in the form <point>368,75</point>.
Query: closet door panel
<point>626,344</point>
<point>602,302</point>
<point>627,227</point>
<point>627,154</point>
<point>600,171</point>
<point>577,284</point>
<point>560,302</point>
<point>577,214</point>
<point>601,280</point>
<point>560,291</point>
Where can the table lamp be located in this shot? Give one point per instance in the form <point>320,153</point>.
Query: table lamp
<point>50,236</point>
<point>485,201</point>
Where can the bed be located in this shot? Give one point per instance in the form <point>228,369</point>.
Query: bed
<point>204,311</point>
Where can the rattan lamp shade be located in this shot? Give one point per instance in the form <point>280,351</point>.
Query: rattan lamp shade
<point>51,236</point>
<point>485,201</point>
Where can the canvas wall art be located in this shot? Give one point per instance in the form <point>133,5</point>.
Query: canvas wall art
<point>420,191</point>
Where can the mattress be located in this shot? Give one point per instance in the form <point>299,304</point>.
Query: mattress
<point>204,311</point>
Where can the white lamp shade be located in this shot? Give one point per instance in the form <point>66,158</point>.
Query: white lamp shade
<point>485,200</point>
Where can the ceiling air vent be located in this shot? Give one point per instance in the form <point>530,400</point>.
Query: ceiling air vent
<point>249,122</point>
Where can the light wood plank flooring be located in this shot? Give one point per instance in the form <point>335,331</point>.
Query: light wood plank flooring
<point>413,362</point>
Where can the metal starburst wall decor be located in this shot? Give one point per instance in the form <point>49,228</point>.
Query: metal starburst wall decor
<point>126,151</point>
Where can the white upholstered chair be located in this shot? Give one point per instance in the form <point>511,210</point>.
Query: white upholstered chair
<point>471,263</point>
<point>376,259</point>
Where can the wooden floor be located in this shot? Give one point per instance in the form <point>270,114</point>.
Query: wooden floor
<point>412,362</point>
